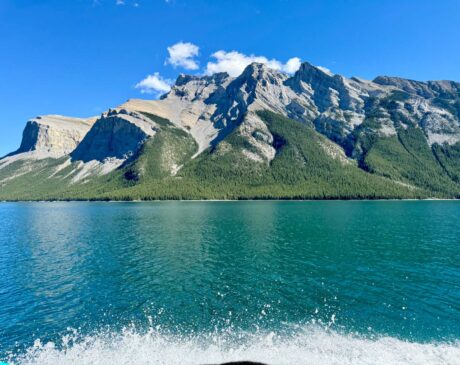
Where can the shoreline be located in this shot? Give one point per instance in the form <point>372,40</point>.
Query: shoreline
<point>225,200</point>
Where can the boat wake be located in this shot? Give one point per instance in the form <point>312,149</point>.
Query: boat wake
<point>307,345</point>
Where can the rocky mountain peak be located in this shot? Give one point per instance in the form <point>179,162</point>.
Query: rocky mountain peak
<point>259,71</point>
<point>309,71</point>
<point>184,79</point>
<point>260,75</point>
<point>311,75</point>
<point>216,78</point>
<point>193,87</point>
<point>257,81</point>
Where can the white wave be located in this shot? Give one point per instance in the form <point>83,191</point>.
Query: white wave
<point>310,345</point>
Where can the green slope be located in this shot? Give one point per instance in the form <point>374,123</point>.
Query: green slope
<point>392,167</point>
<point>301,169</point>
<point>449,158</point>
<point>408,158</point>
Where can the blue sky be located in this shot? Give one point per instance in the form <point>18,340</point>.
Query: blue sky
<point>80,57</point>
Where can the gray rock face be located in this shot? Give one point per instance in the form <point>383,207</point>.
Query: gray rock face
<point>53,135</point>
<point>410,86</point>
<point>336,106</point>
<point>211,107</point>
<point>118,134</point>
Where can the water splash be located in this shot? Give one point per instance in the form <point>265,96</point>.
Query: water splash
<point>309,344</point>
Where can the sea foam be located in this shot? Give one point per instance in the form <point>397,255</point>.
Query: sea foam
<point>308,345</point>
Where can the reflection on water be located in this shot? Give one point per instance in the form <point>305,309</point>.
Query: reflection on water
<point>375,268</point>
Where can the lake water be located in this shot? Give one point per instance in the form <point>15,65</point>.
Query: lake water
<point>335,282</point>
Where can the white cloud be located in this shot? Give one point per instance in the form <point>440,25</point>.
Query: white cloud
<point>235,62</point>
<point>154,84</point>
<point>292,65</point>
<point>120,2</point>
<point>183,54</point>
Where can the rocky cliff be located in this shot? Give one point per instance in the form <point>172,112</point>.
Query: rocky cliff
<point>53,135</point>
<point>117,134</point>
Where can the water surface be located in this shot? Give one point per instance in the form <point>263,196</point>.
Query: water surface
<point>194,282</point>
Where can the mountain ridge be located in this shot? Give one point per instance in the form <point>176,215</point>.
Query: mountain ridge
<point>383,128</point>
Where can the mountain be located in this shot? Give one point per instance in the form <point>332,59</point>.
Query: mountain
<point>263,134</point>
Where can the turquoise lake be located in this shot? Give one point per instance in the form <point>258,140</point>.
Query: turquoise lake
<point>317,282</point>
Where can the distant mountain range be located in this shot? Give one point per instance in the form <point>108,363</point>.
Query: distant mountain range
<point>261,135</point>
